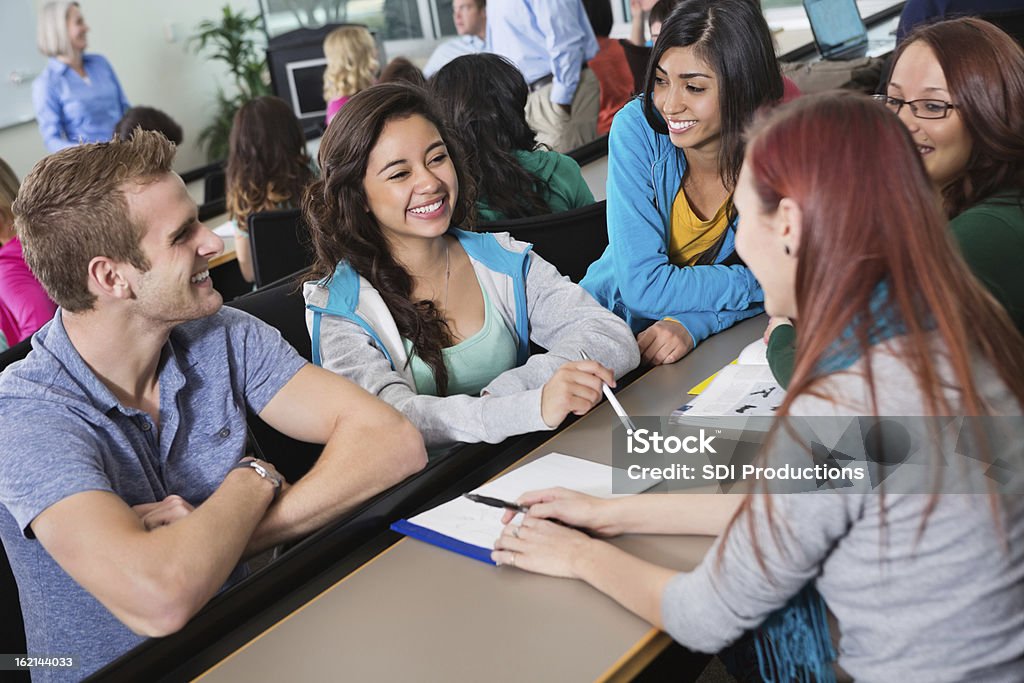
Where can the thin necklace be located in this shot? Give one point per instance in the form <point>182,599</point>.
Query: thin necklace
<point>447,271</point>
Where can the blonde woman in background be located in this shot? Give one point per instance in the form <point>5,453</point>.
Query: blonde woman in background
<point>351,65</point>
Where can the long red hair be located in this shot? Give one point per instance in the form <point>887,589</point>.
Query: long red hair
<point>871,216</point>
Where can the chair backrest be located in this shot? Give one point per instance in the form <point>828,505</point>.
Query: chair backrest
<point>280,244</point>
<point>590,152</point>
<point>12,630</point>
<point>637,57</point>
<point>213,186</point>
<point>15,353</point>
<point>570,240</point>
<point>1010,21</point>
<point>280,305</point>
<point>208,210</point>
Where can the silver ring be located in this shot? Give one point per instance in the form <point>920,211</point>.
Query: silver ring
<point>515,531</point>
<point>512,560</point>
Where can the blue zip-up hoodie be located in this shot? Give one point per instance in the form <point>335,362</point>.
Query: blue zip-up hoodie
<point>634,278</point>
<point>354,335</point>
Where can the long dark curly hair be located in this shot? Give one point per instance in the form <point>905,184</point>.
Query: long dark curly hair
<point>343,229</point>
<point>483,98</point>
<point>267,160</point>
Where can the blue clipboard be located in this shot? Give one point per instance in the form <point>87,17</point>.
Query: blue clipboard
<point>421,533</point>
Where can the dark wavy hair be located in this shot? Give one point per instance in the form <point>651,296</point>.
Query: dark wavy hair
<point>734,39</point>
<point>267,160</point>
<point>984,70</point>
<point>483,98</point>
<point>343,229</point>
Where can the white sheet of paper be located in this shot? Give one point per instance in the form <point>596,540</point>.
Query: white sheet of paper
<point>738,391</point>
<point>480,525</point>
<point>755,353</point>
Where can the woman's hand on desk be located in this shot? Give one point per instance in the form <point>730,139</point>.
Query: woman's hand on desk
<point>570,507</point>
<point>542,546</point>
<point>575,388</point>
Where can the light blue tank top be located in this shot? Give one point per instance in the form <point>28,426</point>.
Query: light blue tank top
<point>473,362</point>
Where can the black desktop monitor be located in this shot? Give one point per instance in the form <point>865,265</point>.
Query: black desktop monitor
<point>296,61</point>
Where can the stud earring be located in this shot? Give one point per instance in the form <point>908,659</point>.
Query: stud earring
<point>786,248</point>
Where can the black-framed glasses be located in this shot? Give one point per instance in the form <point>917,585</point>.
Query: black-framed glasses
<point>922,109</point>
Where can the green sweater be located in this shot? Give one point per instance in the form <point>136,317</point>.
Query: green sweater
<point>991,239</point>
<point>566,188</point>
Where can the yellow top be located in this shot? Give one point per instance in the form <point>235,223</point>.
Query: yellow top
<point>690,236</point>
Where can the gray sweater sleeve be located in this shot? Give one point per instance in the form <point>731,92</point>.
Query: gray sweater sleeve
<point>349,351</point>
<point>565,319</point>
<point>711,607</point>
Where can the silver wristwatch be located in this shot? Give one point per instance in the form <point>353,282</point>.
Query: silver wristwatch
<point>256,465</point>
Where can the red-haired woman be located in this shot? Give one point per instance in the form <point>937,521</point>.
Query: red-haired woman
<point>958,86</point>
<point>923,587</point>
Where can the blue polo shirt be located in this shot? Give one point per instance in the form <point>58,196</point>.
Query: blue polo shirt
<point>71,110</point>
<point>63,432</point>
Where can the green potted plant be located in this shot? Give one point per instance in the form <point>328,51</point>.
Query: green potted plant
<point>231,41</point>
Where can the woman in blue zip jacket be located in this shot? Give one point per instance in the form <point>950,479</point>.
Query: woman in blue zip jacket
<point>670,269</point>
<point>433,319</point>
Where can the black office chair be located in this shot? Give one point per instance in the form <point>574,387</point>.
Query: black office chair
<point>15,353</point>
<point>208,210</point>
<point>281,306</point>
<point>213,185</point>
<point>1010,21</point>
<point>590,152</point>
<point>12,630</point>
<point>280,244</point>
<point>637,57</point>
<point>570,240</point>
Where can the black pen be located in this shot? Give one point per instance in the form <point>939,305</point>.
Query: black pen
<point>496,502</point>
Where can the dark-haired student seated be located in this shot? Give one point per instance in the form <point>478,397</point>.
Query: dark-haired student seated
<point>516,177</point>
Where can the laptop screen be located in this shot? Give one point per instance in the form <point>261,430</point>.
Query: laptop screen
<point>836,25</point>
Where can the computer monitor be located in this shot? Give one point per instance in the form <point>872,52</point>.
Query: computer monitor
<point>306,87</point>
<point>296,61</point>
<point>838,30</point>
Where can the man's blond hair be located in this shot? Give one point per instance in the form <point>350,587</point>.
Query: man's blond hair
<point>72,208</point>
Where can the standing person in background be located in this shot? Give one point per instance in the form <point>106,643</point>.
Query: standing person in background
<point>352,65</point>
<point>471,25</point>
<point>609,65</point>
<point>268,167</point>
<point>24,304</point>
<point>77,98</point>
<point>550,42</point>
<point>515,179</point>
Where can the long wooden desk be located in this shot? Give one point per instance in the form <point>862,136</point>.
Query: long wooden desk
<point>419,613</point>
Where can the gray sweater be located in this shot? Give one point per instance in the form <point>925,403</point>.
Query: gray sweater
<point>563,318</point>
<point>948,606</point>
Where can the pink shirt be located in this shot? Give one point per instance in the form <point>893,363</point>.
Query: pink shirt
<point>24,305</point>
<point>334,105</point>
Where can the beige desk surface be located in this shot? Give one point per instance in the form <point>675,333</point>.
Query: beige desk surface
<point>420,613</point>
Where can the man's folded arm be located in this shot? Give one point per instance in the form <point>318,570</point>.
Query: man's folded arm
<point>369,447</point>
<point>153,581</point>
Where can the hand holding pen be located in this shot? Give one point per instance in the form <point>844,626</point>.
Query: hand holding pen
<point>573,509</point>
<point>575,388</point>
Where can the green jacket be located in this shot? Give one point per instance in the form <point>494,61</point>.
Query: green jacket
<point>566,188</point>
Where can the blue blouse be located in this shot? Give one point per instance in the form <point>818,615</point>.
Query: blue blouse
<point>71,110</point>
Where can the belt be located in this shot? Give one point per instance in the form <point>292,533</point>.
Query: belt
<point>544,80</point>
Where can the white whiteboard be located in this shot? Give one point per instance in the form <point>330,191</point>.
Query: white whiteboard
<point>20,61</point>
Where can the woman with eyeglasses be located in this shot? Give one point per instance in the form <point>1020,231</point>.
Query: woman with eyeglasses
<point>958,86</point>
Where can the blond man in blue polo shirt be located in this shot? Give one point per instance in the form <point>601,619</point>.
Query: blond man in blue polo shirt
<point>125,499</point>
